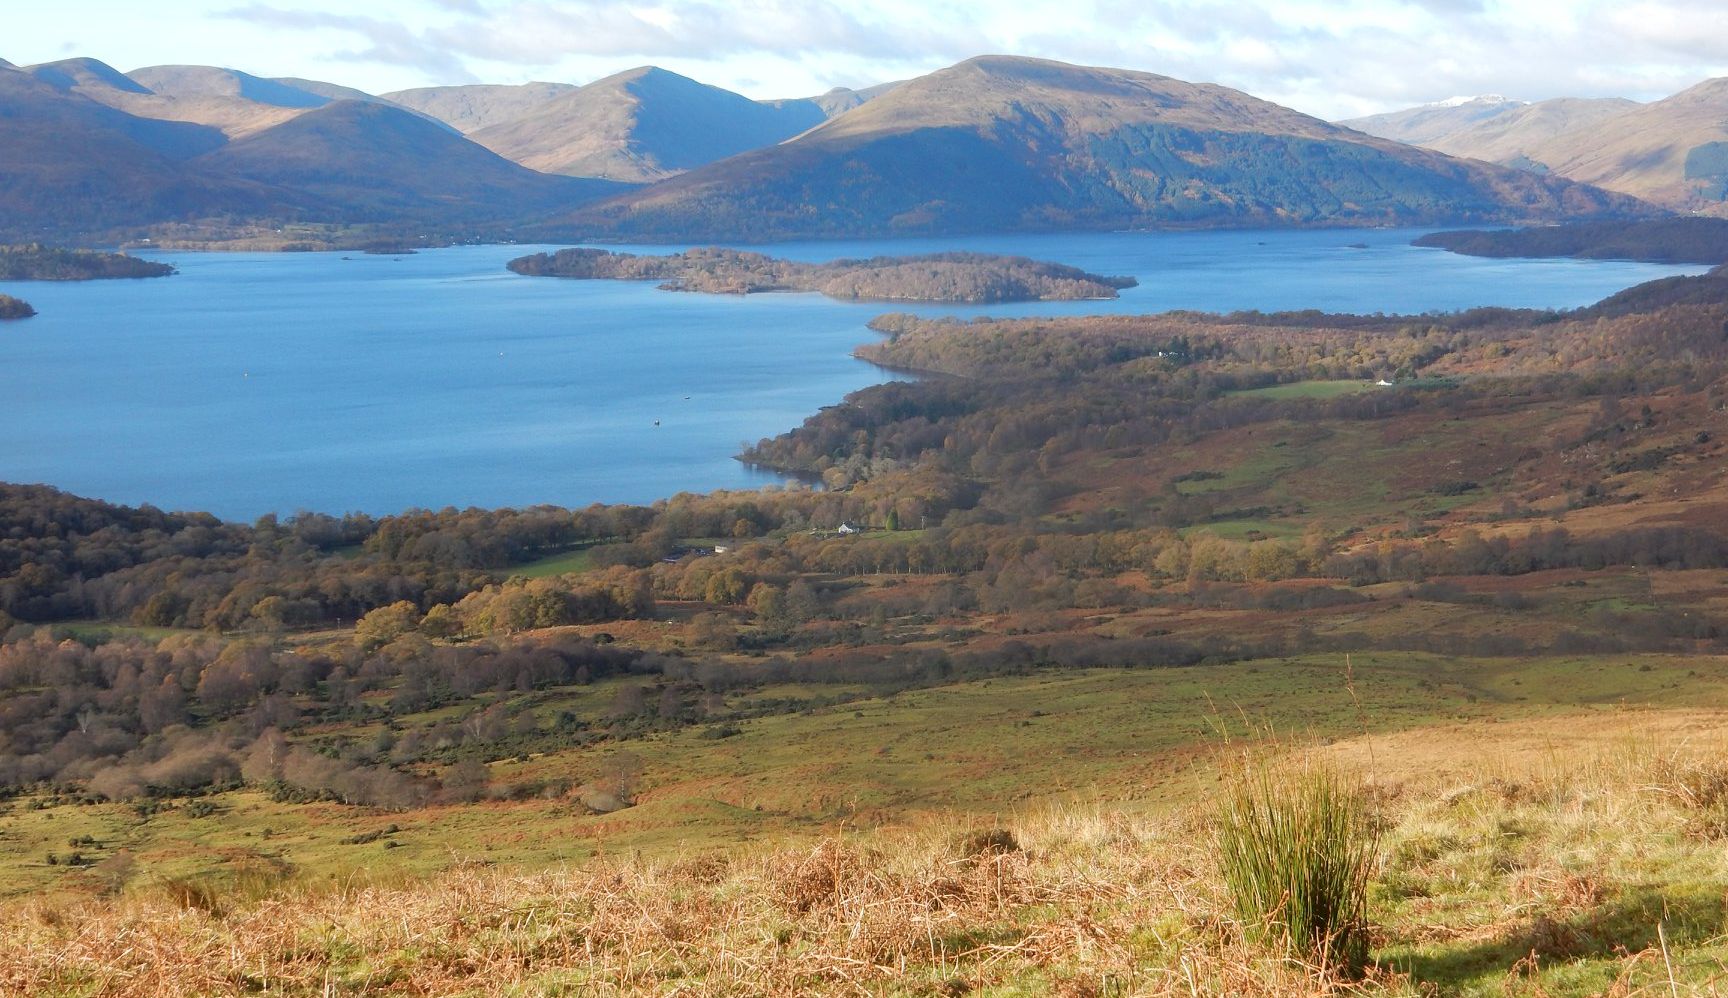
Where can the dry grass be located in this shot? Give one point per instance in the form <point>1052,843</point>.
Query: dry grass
<point>1079,905</point>
<point>1588,877</point>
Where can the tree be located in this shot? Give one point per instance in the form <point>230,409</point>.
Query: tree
<point>386,624</point>
<point>768,603</point>
<point>713,631</point>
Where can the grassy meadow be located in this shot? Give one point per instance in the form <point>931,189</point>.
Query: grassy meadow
<point>1546,826</point>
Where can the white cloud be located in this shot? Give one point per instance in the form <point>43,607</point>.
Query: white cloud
<point>1334,58</point>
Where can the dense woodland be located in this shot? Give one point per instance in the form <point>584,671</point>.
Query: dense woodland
<point>15,308</point>
<point>35,262</point>
<point>1685,239</point>
<point>974,278</point>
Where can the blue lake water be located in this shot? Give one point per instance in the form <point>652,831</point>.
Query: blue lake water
<point>251,383</point>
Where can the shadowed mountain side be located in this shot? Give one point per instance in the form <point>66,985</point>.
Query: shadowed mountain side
<point>70,164</point>
<point>471,108</point>
<point>1005,144</point>
<point>380,162</point>
<point>644,125</point>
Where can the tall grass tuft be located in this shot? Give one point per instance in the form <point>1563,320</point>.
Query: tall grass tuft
<point>1297,849</point>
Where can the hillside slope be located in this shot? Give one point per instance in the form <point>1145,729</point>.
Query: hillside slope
<point>225,107</point>
<point>644,125</point>
<point>1510,139</point>
<point>69,164</point>
<point>1494,129</point>
<point>471,108</point>
<point>1003,144</point>
<point>1673,152</point>
<point>1423,124</point>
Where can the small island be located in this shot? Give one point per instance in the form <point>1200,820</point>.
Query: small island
<point>1691,239</point>
<point>15,308</point>
<point>34,262</point>
<point>962,278</point>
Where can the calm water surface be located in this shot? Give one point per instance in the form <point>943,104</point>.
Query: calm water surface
<point>251,383</point>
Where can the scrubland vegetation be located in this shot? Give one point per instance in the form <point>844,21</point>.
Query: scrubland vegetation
<point>1130,655</point>
<point>944,277</point>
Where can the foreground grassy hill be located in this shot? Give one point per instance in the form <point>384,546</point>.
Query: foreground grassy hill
<point>1524,857</point>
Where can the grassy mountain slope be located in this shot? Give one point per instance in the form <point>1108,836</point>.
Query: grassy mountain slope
<point>1002,143</point>
<point>471,108</point>
<point>1492,128</point>
<point>379,162</point>
<point>1509,138</point>
<point>330,91</point>
<point>842,99</point>
<point>226,110</point>
<point>1673,152</point>
<point>1422,124</point>
<point>84,73</point>
<point>213,81</point>
<point>644,125</point>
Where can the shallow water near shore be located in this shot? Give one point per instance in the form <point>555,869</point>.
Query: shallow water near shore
<point>252,383</point>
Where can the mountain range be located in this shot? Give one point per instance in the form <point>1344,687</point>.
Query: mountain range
<point>1672,152</point>
<point>644,125</point>
<point>1003,143</point>
<point>995,143</point>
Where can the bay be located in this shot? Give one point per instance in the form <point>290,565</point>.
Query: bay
<point>252,383</point>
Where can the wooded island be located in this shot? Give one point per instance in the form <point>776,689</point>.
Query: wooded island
<point>34,262</point>
<point>964,278</point>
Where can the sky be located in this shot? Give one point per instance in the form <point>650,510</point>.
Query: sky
<point>1334,60</point>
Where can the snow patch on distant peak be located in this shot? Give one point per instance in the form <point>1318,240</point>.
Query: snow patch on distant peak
<point>1476,99</point>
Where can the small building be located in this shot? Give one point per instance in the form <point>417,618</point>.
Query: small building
<point>849,528</point>
<point>722,548</point>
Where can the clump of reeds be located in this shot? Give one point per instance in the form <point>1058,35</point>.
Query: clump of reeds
<point>1297,848</point>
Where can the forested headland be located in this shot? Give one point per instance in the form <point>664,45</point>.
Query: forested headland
<point>15,308</point>
<point>1686,239</point>
<point>35,262</point>
<point>973,278</point>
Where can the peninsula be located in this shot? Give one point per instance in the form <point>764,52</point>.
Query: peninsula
<point>965,278</point>
<point>1688,239</point>
<point>15,308</point>
<point>34,262</point>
